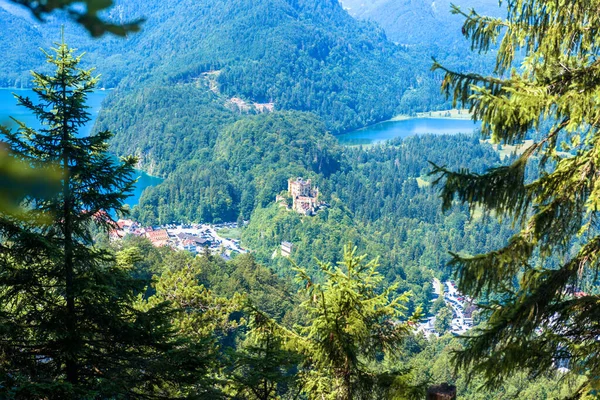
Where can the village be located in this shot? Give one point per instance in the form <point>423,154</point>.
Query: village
<point>461,306</point>
<point>194,238</point>
<point>199,238</point>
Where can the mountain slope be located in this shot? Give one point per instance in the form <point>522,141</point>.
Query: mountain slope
<point>420,22</point>
<point>198,67</point>
<point>303,55</point>
<point>19,38</point>
<point>300,55</point>
<point>429,27</point>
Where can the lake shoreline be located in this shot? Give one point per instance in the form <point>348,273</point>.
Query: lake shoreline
<point>9,107</point>
<point>440,122</point>
<point>452,114</point>
<point>460,114</point>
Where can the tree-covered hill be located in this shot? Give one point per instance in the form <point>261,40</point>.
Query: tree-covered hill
<point>304,55</point>
<point>180,82</point>
<point>380,199</point>
<point>250,163</point>
<point>19,38</point>
<point>308,55</point>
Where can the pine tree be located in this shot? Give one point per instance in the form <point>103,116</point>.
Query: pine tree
<point>203,320</point>
<point>353,325</point>
<point>68,327</point>
<point>541,290</point>
<point>443,320</point>
<point>263,368</point>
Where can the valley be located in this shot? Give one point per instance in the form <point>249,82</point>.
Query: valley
<point>316,215</point>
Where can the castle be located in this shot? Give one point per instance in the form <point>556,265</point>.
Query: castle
<point>304,196</point>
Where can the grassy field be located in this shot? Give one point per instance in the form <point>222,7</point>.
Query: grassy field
<point>230,233</point>
<point>506,150</point>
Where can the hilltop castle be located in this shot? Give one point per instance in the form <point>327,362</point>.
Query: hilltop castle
<point>304,196</point>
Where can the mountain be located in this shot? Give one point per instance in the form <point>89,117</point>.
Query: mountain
<point>298,55</point>
<point>304,55</point>
<point>207,65</point>
<point>430,28</point>
<point>18,47</point>
<point>197,68</point>
<point>420,22</point>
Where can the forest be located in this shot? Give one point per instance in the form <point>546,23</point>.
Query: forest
<point>227,101</point>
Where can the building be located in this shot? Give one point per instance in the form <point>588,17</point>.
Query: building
<point>158,237</point>
<point>199,241</point>
<point>126,224</point>
<point>286,249</point>
<point>305,198</point>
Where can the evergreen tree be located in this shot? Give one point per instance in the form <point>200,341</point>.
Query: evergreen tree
<point>443,320</point>
<point>263,368</point>
<point>68,327</point>
<point>541,290</point>
<point>202,319</point>
<point>353,325</point>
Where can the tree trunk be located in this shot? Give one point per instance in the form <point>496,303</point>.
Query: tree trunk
<point>71,358</point>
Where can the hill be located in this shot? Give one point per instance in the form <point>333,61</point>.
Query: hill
<point>199,73</point>
<point>19,49</point>
<point>251,162</point>
<point>303,55</point>
<point>299,55</point>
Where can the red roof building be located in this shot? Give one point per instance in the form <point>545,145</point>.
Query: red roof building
<point>158,237</point>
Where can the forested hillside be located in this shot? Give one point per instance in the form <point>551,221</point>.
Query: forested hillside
<point>301,55</point>
<point>380,200</point>
<point>250,163</point>
<point>200,66</point>
<point>350,282</point>
<point>20,49</point>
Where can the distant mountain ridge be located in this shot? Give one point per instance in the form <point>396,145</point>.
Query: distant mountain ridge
<point>430,27</point>
<point>420,22</point>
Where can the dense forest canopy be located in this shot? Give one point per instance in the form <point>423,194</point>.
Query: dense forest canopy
<point>227,100</point>
<point>222,61</point>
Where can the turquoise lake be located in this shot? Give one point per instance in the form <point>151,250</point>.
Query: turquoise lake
<point>380,132</point>
<point>9,108</point>
<point>409,127</point>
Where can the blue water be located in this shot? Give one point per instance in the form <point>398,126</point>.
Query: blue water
<point>9,108</point>
<point>144,181</point>
<point>400,129</point>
